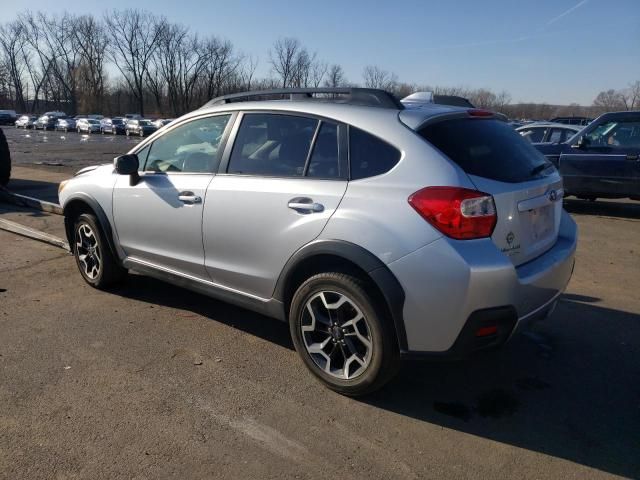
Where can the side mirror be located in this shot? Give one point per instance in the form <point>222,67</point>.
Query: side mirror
<point>128,165</point>
<point>582,143</point>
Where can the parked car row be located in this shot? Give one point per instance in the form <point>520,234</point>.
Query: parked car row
<point>130,124</point>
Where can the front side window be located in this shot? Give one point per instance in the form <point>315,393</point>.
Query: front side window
<point>192,147</point>
<point>272,145</point>
<point>625,134</point>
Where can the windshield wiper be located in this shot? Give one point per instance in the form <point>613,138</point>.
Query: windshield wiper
<point>540,168</point>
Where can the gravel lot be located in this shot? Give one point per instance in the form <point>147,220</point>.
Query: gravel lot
<point>151,381</point>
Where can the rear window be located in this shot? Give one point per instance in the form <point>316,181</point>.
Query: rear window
<point>486,148</point>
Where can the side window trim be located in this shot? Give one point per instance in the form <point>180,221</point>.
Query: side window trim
<point>221,148</point>
<point>312,148</point>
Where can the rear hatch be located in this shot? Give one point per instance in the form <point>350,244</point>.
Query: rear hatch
<point>526,188</point>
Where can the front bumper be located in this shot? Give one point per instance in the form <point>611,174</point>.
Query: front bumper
<point>447,282</point>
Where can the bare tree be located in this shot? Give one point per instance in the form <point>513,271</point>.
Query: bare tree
<point>335,77</point>
<point>91,39</point>
<point>52,39</point>
<point>631,96</point>
<point>302,68</point>
<point>609,100</point>
<point>221,71</point>
<point>376,77</point>
<point>284,59</point>
<point>318,72</point>
<point>134,37</point>
<point>248,70</point>
<point>11,39</point>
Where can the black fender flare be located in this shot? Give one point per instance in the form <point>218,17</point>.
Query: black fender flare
<point>379,273</point>
<point>103,220</point>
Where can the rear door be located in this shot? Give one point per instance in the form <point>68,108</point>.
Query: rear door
<point>606,163</point>
<point>282,178</point>
<point>526,188</point>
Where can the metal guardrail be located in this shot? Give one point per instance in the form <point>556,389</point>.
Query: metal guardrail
<point>29,202</point>
<point>23,230</point>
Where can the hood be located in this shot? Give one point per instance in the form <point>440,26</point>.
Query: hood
<point>91,168</point>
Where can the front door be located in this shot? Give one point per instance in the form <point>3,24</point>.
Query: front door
<point>286,176</point>
<point>606,164</point>
<point>159,220</point>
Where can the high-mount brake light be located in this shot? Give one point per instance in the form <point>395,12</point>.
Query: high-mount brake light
<point>480,113</point>
<point>459,213</point>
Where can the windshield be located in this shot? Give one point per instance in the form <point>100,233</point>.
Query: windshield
<point>145,122</point>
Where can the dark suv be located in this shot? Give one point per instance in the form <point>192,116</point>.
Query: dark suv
<point>139,127</point>
<point>603,160</point>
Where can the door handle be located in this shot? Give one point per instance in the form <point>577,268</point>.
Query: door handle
<point>632,157</point>
<point>189,197</point>
<point>305,205</point>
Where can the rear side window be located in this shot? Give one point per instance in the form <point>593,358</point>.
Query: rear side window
<point>370,156</point>
<point>534,135</point>
<point>272,145</point>
<point>486,148</point>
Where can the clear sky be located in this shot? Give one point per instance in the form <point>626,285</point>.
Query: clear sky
<point>556,51</point>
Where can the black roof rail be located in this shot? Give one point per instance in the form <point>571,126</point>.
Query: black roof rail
<point>369,97</point>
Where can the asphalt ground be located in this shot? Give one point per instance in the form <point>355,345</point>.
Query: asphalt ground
<point>152,381</point>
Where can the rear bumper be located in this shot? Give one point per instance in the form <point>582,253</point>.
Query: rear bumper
<point>449,284</point>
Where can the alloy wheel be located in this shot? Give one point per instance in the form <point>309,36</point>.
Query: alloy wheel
<point>336,335</point>
<point>88,251</point>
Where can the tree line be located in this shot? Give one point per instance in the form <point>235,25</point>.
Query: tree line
<point>135,61</point>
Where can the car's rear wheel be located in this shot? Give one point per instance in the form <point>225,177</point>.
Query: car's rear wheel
<point>342,333</point>
<point>95,261</point>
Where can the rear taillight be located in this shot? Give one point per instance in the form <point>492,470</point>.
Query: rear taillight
<point>459,213</point>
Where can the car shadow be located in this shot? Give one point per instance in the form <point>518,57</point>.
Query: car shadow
<point>605,208</point>
<point>150,290</point>
<point>569,387</point>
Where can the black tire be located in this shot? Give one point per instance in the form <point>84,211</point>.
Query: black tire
<point>5,160</point>
<point>109,271</point>
<point>384,357</point>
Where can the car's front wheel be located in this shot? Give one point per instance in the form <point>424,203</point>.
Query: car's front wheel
<point>343,333</point>
<point>95,261</point>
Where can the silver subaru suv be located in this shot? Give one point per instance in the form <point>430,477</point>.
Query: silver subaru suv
<point>376,230</point>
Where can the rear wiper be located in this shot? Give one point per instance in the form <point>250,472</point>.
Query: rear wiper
<point>540,168</point>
